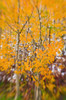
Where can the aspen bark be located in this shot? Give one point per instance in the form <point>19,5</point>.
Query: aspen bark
<point>17,55</point>
<point>36,93</point>
<point>37,88</point>
<point>17,76</point>
<point>54,32</point>
<point>49,35</point>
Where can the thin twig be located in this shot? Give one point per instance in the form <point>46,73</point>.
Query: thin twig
<point>26,23</point>
<point>11,27</point>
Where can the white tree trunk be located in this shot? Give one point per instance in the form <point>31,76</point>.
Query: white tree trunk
<point>17,54</point>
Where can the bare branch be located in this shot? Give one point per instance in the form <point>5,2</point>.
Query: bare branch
<point>26,22</point>
<point>40,24</point>
<point>11,27</point>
